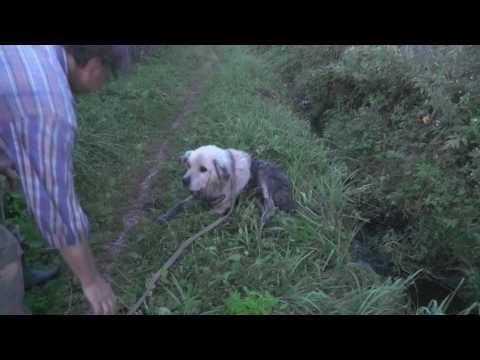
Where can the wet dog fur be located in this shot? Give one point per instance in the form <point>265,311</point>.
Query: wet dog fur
<point>218,176</point>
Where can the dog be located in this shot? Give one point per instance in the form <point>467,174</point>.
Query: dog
<point>218,176</point>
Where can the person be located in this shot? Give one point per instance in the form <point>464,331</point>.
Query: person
<point>37,134</point>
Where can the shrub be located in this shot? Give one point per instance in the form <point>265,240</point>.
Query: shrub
<point>411,130</point>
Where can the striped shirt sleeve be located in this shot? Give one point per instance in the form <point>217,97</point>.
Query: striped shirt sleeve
<point>37,130</point>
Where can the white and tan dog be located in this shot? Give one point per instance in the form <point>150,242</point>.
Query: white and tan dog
<point>211,172</point>
<point>219,175</point>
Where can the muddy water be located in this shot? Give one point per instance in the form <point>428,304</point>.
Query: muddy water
<point>364,251</point>
<point>423,290</point>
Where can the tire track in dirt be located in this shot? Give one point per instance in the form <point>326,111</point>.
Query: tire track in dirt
<point>136,212</point>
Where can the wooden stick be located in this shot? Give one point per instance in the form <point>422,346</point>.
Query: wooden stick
<point>175,211</point>
<point>173,259</point>
<point>183,246</point>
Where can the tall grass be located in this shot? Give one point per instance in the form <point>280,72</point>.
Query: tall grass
<point>303,261</point>
<point>408,125</point>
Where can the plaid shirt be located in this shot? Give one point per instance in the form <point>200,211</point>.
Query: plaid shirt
<point>37,131</point>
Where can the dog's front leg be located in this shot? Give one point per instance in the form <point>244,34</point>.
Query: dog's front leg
<point>268,204</point>
<point>175,211</point>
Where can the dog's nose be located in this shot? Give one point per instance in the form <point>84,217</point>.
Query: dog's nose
<point>186,181</point>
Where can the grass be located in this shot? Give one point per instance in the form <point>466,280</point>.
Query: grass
<point>251,304</point>
<point>298,265</point>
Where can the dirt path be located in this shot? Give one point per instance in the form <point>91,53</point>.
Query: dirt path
<point>136,211</point>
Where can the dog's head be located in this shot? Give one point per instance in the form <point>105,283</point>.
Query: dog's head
<point>208,168</point>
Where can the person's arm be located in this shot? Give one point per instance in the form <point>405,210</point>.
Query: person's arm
<point>98,292</point>
<point>47,182</point>
<point>80,260</point>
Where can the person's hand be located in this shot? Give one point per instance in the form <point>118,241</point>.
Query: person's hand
<point>100,296</point>
<point>97,291</point>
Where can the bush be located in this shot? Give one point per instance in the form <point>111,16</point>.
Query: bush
<point>411,131</point>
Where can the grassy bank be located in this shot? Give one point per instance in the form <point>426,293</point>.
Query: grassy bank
<point>409,130</point>
<point>298,265</point>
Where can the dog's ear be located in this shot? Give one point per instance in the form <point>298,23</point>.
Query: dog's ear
<point>185,157</point>
<point>222,170</point>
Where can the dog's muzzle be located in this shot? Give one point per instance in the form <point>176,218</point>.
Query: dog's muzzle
<point>186,181</point>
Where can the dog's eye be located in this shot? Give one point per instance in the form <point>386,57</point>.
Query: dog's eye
<point>203,169</point>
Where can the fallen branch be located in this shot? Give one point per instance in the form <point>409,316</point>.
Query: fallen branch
<point>184,245</point>
<point>173,213</point>
<point>173,259</point>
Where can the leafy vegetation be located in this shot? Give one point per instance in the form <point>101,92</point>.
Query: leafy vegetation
<point>410,130</point>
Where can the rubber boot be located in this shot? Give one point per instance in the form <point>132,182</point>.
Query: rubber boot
<point>35,277</point>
